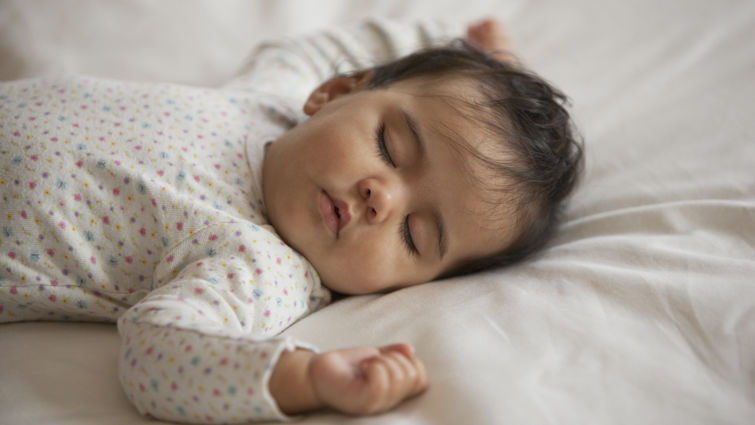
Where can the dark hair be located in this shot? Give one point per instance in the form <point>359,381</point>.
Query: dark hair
<point>529,117</point>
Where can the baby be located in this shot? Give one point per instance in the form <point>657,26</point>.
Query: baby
<point>207,221</point>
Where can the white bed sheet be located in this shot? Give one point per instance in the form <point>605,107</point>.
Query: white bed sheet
<point>642,311</point>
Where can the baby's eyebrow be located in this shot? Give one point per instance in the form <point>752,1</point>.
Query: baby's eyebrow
<point>412,124</point>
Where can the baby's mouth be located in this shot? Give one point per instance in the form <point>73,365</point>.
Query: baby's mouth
<point>334,212</point>
<point>342,211</point>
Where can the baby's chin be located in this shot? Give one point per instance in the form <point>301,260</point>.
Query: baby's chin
<point>354,285</point>
<point>345,284</point>
<point>344,288</point>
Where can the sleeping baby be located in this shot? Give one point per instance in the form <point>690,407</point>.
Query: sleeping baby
<point>207,221</point>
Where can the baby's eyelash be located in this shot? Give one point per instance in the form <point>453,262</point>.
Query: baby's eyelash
<point>382,148</point>
<point>406,236</point>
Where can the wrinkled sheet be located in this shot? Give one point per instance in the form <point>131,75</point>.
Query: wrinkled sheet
<point>641,311</point>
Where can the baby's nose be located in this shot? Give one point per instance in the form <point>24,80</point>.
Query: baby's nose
<point>379,198</point>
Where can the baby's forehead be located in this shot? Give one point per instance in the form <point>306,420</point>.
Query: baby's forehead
<point>455,109</point>
<point>457,115</point>
<point>481,149</point>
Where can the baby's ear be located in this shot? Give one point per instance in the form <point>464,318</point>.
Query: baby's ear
<point>335,88</point>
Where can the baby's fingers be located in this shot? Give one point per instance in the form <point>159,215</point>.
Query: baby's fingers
<point>393,377</point>
<point>409,373</point>
<point>412,368</point>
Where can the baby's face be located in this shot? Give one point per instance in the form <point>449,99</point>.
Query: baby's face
<point>372,193</point>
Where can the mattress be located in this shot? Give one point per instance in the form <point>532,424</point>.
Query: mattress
<point>641,310</point>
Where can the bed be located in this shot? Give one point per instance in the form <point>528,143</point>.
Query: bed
<point>641,311</point>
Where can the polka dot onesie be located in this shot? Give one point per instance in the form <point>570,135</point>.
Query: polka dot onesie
<point>141,203</point>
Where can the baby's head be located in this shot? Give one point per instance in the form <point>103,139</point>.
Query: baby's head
<point>440,163</point>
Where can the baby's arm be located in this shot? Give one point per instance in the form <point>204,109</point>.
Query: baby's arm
<point>293,67</point>
<point>201,347</point>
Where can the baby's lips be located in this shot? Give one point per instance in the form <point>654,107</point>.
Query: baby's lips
<point>343,213</point>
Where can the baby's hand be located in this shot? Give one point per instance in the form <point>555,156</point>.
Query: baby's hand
<point>490,37</point>
<point>367,380</point>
